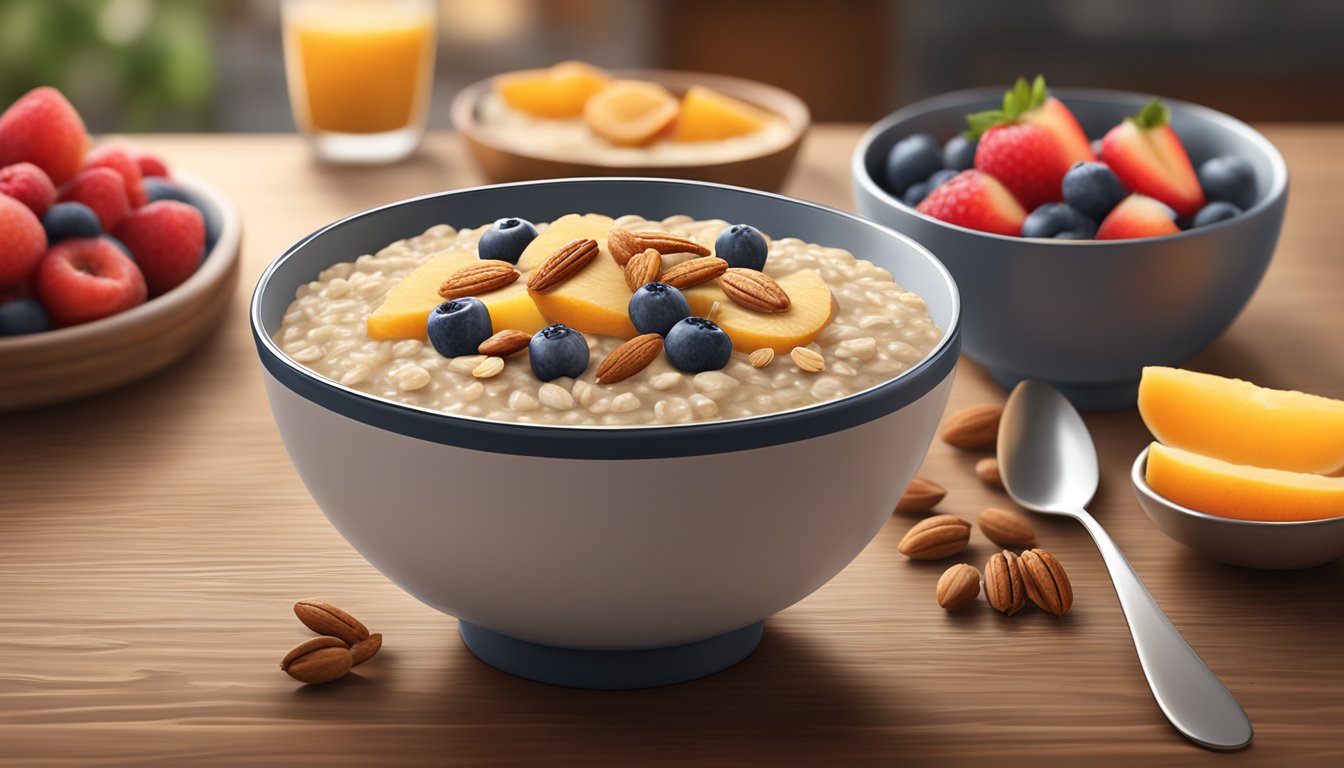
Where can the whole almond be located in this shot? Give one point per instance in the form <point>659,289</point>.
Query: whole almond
<point>973,429</point>
<point>808,360</point>
<point>958,586</point>
<point>1004,587</point>
<point>1046,582</point>
<point>643,268</point>
<point>935,537</point>
<point>326,619</point>
<point>629,358</point>
<point>761,357</point>
<point>988,472</point>
<point>625,245</point>
<point>365,649</point>
<point>505,343</point>
<point>920,496</point>
<point>564,263</point>
<point>319,660</point>
<point>754,290</point>
<point>1006,528</point>
<point>475,279</point>
<point>693,272</point>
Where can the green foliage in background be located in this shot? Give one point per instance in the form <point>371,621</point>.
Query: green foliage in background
<point>127,65</point>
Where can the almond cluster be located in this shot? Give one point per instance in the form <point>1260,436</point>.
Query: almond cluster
<point>344,644</point>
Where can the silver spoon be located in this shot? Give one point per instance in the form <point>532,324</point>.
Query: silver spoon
<point>1049,465</point>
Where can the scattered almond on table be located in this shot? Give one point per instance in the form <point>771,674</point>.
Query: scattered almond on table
<point>935,538</point>
<point>958,586</point>
<point>1006,528</point>
<point>343,643</point>
<point>973,429</point>
<point>988,472</point>
<point>921,495</point>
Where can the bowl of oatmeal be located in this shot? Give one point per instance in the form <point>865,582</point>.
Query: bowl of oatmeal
<point>510,143</point>
<point>1088,315</point>
<point>587,528</point>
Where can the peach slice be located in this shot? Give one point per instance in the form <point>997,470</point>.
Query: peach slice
<point>1241,423</point>
<point>707,115</point>
<point>597,299</point>
<point>404,312</point>
<point>1248,493</point>
<point>812,308</point>
<point>558,93</point>
<point>630,113</point>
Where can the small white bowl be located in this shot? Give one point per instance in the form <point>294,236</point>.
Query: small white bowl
<point>1248,543</point>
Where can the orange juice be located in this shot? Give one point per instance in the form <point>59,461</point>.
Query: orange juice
<point>359,66</point>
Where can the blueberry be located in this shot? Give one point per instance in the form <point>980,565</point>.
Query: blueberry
<point>1052,219</point>
<point>916,193</point>
<point>120,246</point>
<point>68,220</point>
<point>157,188</point>
<point>558,350</point>
<point>459,326</point>
<point>1093,189</point>
<point>1230,179</point>
<point>742,245</point>
<point>656,307</point>
<point>213,222</point>
<point>959,152</point>
<point>1215,212</point>
<point>506,240</point>
<point>697,344</point>
<point>939,178</point>
<point>23,316</point>
<point>913,159</point>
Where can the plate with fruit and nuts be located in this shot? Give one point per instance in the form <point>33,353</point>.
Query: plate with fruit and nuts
<point>111,266</point>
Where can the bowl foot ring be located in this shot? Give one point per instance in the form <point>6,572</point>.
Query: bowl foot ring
<point>610,670</point>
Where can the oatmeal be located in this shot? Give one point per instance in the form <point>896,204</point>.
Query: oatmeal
<point>340,327</point>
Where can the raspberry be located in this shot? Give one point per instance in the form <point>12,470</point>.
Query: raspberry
<point>168,240</point>
<point>151,165</point>
<point>102,190</point>
<point>29,185</point>
<point>43,129</point>
<point>118,158</point>
<point>86,279</point>
<point>22,242</point>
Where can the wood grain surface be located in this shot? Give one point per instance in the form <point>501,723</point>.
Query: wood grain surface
<point>152,541</point>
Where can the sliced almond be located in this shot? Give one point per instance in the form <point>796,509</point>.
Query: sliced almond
<point>488,368</point>
<point>808,360</point>
<point>629,358</point>
<point>567,260</point>
<point>475,279</point>
<point>921,496</point>
<point>693,272</point>
<point>505,343</point>
<point>761,357</point>
<point>643,268</point>
<point>625,244</point>
<point>754,290</point>
<point>973,429</point>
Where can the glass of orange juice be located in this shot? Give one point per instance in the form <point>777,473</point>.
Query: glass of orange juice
<point>360,74</point>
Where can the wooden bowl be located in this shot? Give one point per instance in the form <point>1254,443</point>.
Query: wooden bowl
<point>67,363</point>
<point>764,170</point>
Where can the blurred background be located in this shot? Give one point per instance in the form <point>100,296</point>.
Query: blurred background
<point>202,65</point>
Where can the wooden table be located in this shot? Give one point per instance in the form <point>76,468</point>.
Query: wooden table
<point>153,539</point>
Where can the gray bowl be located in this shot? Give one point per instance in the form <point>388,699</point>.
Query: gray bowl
<point>1248,543</point>
<point>1087,316</point>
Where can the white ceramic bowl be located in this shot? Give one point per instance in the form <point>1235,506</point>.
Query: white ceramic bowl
<point>551,542</point>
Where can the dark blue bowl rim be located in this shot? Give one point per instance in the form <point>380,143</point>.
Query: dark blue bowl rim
<point>605,442</point>
<point>859,168</point>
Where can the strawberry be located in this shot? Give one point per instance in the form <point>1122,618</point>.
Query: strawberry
<point>975,200</point>
<point>29,185</point>
<point>86,279</point>
<point>43,129</point>
<point>168,240</point>
<point>22,242</point>
<point>1030,143</point>
<point>1148,157</point>
<point>1138,216</point>
<point>116,156</point>
<point>102,190</point>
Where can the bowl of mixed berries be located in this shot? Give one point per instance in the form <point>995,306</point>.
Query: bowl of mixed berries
<point>1090,232</point>
<point>111,267</point>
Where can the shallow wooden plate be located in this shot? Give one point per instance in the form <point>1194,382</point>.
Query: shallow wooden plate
<point>765,170</point>
<point>68,363</point>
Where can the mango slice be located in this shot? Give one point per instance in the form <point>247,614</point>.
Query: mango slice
<point>406,309</point>
<point>1248,493</point>
<point>1241,423</point>
<point>596,300</point>
<point>812,308</point>
<point>707,115</point>
<point>559,92</point>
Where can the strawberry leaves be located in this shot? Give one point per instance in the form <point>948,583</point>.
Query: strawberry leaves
<point>1154,115</point>
<point>1017,101</point>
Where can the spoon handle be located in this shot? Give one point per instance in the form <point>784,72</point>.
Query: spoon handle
<point>1189,693</point>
